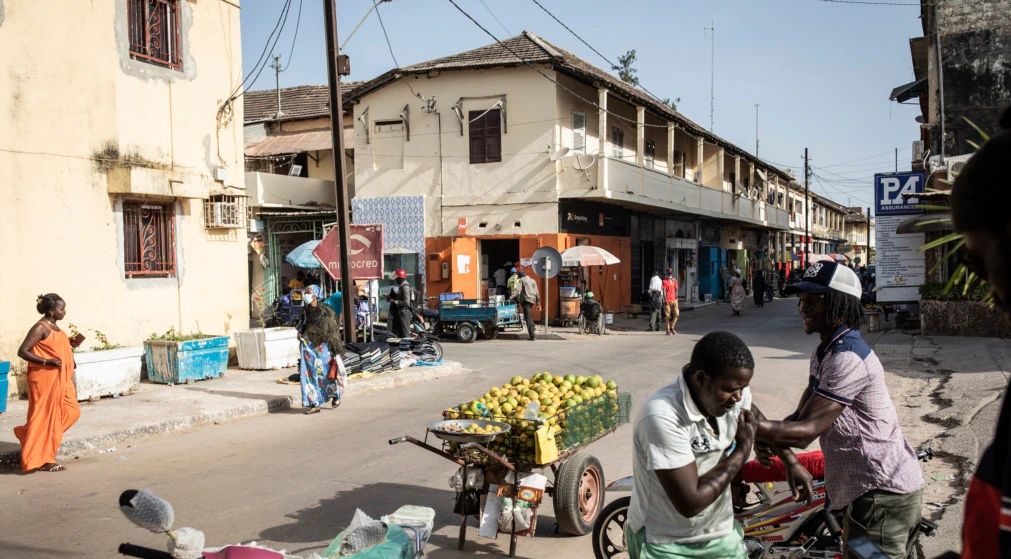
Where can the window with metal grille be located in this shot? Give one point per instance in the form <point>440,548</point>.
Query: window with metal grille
<point>617,142</point>
<point>154,31</point>
<point>649,153</point>
<point>224,211</point>
<point>485,136</point>
<point>148,239</point>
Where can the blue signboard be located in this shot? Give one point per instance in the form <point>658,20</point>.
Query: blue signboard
<point>889,189</point>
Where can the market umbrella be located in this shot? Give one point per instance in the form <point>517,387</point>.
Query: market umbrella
<point>585,255</point>
<point>838,257</point>
<point>302,256</point>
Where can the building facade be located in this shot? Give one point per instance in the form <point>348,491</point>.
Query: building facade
<point>121,167</point>
<point>504,159</point>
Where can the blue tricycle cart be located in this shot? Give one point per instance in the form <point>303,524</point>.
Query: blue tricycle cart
<point>468,318</point>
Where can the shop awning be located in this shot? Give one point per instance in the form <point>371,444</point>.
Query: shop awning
<point>909,91</point>
<point>298,142</point>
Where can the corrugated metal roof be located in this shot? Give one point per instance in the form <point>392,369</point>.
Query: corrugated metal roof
<point>298,142</point>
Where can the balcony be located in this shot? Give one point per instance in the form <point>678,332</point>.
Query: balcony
<point>629,184</point>
<point>267,190</point>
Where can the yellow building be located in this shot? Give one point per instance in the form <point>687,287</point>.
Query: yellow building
<point>121,171</point>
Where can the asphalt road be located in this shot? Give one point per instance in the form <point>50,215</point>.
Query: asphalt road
<point>294,482</point>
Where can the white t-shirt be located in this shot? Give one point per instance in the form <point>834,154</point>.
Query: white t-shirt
<point>500,277</point>
<point>670,432</point>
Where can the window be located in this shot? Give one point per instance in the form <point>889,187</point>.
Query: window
<point>650,153</point>
<point>617,143</point>
<point>154,31</point>
<point>388,144</point>
<point>148,239</point>
<point>485,136</point>
<point>578,132</point>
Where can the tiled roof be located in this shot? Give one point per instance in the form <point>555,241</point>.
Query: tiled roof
<point>536,50</point>
<point>300,102</point>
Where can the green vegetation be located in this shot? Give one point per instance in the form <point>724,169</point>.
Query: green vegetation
<point>172,336</point>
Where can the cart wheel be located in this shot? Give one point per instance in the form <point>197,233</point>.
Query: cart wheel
<point>609,530</point>
<point>600,325</point>
<point>491,332</point>
<point>466,332</point>
<point>581,325</point>
<point>579,493</point>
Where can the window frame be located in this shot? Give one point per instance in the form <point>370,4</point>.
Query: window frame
<point>649,154</point>
<point>617,143</point>
<point>479,130</point>
<point>166,232</point>
<point>581,130</point>
<point>139,29</point>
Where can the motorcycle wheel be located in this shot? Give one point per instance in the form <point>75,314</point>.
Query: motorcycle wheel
<point>431,351</point>
<point>609,530</point>
<point>768,296</point>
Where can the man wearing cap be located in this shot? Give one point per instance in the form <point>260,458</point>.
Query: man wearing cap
<point>511,283</point>
<point>528,296</point>
<point>871,471</point>
<point>401,306</point>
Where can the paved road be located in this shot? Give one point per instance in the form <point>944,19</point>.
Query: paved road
<point>294,481</point>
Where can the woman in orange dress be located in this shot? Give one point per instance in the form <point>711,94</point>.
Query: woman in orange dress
<point>52,399</point>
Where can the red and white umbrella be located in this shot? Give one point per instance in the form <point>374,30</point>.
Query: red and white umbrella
<point>585,255</point>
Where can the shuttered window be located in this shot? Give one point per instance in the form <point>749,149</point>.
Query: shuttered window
<point>485,136</point>
<point>578,132</point>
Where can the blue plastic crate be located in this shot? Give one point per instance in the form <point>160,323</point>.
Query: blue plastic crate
<point>5,369</point>
<point>178,362</point>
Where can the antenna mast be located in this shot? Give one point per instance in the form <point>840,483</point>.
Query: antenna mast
<point>712,71</point>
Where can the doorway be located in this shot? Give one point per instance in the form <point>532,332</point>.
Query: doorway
<point>494,254</point>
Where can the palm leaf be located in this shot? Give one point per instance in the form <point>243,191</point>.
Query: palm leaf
<point>949,238</point>
<point>933,207</point>
<point>982,134</point>
<point>973,144</point>
<point>947,255</point>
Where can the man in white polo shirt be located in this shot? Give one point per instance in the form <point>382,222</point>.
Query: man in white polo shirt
<point>681,505</point>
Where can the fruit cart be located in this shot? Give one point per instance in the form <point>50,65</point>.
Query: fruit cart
<point>509,449</point>
<point>469,317</point>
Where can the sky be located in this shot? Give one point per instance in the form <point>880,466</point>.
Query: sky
<point>820,71</point>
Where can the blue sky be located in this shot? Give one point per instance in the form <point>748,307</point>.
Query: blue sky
<point>820,71</point>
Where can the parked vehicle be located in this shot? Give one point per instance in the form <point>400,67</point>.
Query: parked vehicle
<point>774,527</point>
<point>467,318</point>
<point>794,277</point>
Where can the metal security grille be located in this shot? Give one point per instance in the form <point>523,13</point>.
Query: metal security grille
<point>154,31</point>
<point>148,239</point>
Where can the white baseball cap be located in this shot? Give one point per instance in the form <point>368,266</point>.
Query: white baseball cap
<point>822,277</point>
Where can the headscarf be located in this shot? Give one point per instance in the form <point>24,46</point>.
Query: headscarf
<point>319,323</point>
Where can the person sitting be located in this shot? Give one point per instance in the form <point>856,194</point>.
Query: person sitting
<point>590,308</point>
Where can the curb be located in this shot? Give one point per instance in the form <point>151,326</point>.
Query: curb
<point>73,449</point>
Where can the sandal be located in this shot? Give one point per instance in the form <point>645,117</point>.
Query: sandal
<point>311,411</point>
<point>335,403</point>
<point>53,468</point>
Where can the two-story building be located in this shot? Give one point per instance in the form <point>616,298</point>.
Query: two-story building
<point>479,158</point>
<point>859,231</point>
<point>827,225</point>
<point>121,169</point>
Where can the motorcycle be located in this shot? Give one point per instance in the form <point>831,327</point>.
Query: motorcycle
<point>775,527</point>
<point>794,277</point>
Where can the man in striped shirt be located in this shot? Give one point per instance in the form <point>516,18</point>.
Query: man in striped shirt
<point>871,471</point>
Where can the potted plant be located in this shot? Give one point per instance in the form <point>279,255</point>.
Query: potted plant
<point>266,348</point>
<point>174,357</point>
<point>105,369</point>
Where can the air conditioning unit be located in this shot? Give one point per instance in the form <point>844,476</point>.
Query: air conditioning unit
<point>956,164</point>
<point>918,148</point>
<point>225,212</point>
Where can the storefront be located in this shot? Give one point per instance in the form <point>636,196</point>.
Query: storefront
<point>659,243</point>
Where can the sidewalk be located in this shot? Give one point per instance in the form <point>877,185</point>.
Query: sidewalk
<point>155,409</point>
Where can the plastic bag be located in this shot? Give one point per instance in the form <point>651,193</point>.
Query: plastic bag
<point>475,479</point>
<point>514,511</point>
<point>422,518</point>
<point>398,544</point>
<point>362,534</point>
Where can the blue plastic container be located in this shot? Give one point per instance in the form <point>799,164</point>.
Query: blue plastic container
<point>5,369</point>
<point>179,362</point>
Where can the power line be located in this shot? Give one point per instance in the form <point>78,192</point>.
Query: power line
<point>496,18</point>
<point>891,152</point>
<point>261,63</point>
<point>872,3</point>
<point>375,4</point>
<point>291,52</point>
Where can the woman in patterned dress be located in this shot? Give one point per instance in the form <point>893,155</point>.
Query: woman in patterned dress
<point>320,364</point>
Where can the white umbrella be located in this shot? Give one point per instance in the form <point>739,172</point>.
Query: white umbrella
<point>585,255</point>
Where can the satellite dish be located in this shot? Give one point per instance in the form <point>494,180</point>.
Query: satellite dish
<point>546,262</point>
<point>919,119</point>
<point>558,154</point>
<point>584,161</point>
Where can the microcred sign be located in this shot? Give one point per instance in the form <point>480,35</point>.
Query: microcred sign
<point>366,252</point>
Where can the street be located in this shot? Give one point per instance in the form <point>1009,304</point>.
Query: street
<point>294,482</point>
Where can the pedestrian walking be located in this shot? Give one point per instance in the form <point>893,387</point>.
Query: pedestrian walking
<point>52,399</point>
<point>979,201</point>
<point>871,471</point>
<point>320,366</point>
<point>528,296</point>
<point>759,289</point>
<point>401,313</point>
<point>500,280</point>
<point>670,298</point>
<point>512,283</point>
<point>737,293</point>
<point>656,301</point>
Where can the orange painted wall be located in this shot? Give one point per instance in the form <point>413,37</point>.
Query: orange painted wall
<point>612,287</point>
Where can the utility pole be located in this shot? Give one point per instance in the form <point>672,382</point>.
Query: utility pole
<point>868,237</point>
<point>712,72</point>
<point>807,215</point>
<point>756,130</point>
<point>340,181</point>
<point>276,66</point>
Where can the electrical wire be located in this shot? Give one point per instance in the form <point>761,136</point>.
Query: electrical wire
<point>588,45</point>
<point>496,18</point>
<point>260,61</point>
<point>291,52</point>
<point>272,46</point>
<point>390,45</point>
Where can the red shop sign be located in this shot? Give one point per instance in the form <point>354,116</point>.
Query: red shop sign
<point>366,252</point>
